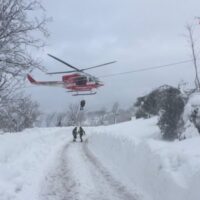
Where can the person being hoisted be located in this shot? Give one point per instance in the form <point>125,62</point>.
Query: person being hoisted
<point>82,104</point>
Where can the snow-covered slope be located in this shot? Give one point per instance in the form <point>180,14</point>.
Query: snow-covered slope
<point>122,161</point>
<point>161,170</point>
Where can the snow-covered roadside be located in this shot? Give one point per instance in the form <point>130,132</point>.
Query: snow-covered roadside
<point>134,154</point>
<point>24,158</point>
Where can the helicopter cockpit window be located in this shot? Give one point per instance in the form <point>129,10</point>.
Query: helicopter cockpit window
<point>96,80</point>
<point>90,79</point>
<point>81,80</point>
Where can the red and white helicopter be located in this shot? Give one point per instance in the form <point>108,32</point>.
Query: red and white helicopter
<point>78,82</point>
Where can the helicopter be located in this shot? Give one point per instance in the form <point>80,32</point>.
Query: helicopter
<point>78,82</point>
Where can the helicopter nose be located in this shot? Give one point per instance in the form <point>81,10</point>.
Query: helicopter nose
<point>99,84</point>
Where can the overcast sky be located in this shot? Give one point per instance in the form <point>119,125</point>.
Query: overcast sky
<point>136,33</point>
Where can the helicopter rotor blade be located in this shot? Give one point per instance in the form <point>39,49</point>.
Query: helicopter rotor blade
<point>98,66</point>
<point>63,72</point>
<point>58,59</point>
<point>75,68</point>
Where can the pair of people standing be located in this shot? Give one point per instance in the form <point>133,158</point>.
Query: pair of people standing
<point>78,131</point>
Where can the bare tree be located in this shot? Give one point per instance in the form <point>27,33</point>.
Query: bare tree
<point>17,29</point>
<point>21,25</point>
<point>194,55</point>
<point>101,114</point>
<point>73,114</point>
<point>60,119</point>
<point>124,115</point>
<point>22,28</point>
<point>115,110</point>
<point>49,119</point>
<point>18,114</point>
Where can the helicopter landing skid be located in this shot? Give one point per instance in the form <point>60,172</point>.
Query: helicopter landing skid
<point>82,94</point>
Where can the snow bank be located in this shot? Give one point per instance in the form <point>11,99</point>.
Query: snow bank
<point>160,170</point>
<point>192,106</point>
<point>23,159</point>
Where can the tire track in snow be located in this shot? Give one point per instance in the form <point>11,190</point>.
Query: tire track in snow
<point>58,183</point>
<point>78,175</point>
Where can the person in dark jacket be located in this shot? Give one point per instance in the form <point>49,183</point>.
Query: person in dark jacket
<point>74,133</point>
<point>81,133</point>
<point>82,104</point>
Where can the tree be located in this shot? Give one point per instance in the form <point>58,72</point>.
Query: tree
<point>194,54</point>
<point>170,115</point>
<point>166,102</point>
<point>114,111</point>
<point>18,114</point>
<point>73,114</point>
<point>60,119</point>
<point>124,115</point>
<point>17,29</point>
<point>55,119</point>
<point>101,114</point>
<point>20,32</point>
<point>50,119</point>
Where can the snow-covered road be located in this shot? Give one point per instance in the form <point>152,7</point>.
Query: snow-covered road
<point>78,175</point>
<point>123,161</point>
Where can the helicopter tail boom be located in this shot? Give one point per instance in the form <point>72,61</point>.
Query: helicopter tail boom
<point>45,83</point>
<point>31,79</point>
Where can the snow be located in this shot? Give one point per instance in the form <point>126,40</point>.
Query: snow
<point>23,157</point>
<point>161,170</point>
<point>192,105</point>
<point>193,102</point>
<point>123,161</point>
